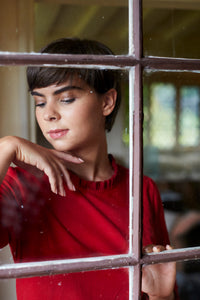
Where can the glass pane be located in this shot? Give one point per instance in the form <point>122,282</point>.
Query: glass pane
<point>84,285</point>
<point>16,26</point>
<point>38,223</point>
<point>171,144</point>
<point>171,28</point>
<point>14,106</point>
<point>188,280</point>
<point>189,116</point>
<point>29,25</point>
<point>7,289</point>
<point>162,111</point>
<point>83,19</point>
<point>171,115</point>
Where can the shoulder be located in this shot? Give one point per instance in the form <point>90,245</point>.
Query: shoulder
<point>121,173</point>
<point>151,197</point>
<point>123,170</point>
<point>18,173</point>
<point>149,184</point>
<point>19,179</point>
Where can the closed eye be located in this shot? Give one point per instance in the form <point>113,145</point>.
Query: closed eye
<point>68,100</point>
<point>40,104</point>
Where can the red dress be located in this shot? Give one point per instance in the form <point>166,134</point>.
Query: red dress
<point>92,221</point>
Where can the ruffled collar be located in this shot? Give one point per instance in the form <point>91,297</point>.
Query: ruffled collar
<point>96,185</point>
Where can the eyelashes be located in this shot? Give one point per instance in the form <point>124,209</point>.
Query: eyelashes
<point>39,105</point>
<point>67,101</point>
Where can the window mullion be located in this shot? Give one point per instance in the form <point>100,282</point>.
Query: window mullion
<point>135,44</point>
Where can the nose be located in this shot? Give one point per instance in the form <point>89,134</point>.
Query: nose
<point>51,113</point>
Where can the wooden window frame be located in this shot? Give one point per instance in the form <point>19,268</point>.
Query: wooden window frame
<point>135,63</point>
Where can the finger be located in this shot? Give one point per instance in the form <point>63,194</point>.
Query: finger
<point>61,176</point>
<point>169,247</point>
<point>53,171</point>
<point>148,249</point>
<point>60,183</point>
<point>57,174</point>
<point>153,248</point>
<point>52,179</point>
<point>66,177</point>
<point>158,248</point>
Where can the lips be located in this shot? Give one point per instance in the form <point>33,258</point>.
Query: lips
<point>58,133</point>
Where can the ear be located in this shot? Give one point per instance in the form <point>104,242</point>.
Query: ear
<point>109,101</point>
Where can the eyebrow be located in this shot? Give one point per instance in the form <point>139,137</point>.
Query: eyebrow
<point>59,91</point>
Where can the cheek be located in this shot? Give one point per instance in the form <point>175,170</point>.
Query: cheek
<point>39,120</point>
<point>82,115</point>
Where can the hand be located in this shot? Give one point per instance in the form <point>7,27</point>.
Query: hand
<point>158,280</point>
<point>33,157</point>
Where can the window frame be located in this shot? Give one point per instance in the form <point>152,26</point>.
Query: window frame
<point>135,63</point>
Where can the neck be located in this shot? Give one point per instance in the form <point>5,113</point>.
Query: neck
<point>96,165</point>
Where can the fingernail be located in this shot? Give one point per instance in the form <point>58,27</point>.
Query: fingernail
<point>73,188</point>
<point>169,247</point>
<point>80,159</point>
<point>156,249</point>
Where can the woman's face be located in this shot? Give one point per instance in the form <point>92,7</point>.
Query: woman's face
<point>70,115</point>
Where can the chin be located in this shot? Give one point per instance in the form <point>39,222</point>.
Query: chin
<point>63,147</point>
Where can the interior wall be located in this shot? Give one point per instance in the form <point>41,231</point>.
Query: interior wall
<point>16,21</point>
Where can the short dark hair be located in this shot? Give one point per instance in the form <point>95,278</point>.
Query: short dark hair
<point>101,80</point>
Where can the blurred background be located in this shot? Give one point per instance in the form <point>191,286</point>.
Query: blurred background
<point>171,28</point>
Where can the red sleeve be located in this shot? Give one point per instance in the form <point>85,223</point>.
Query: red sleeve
<point>14,202</point>
<point>6,194</point>
<point>154,227</point>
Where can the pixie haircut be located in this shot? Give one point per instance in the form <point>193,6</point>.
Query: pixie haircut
<point>101,80</point>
